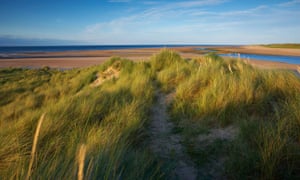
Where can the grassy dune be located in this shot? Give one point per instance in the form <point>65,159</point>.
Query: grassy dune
<point>263,104</point>
<point>109,120</point>
<point>105,127</point>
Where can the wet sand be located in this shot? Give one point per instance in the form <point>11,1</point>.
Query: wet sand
<point>73,59</point>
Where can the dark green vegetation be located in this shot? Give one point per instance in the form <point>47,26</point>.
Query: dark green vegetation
<point>292,46</point>
<point>263,106</point>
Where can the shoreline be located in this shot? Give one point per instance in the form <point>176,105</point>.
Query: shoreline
<point>85,58</point>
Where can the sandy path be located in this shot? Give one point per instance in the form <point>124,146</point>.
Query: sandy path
<point>167,145</point>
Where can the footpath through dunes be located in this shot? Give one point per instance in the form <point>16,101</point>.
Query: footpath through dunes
<point>170,147</point>
<point>166,144</point>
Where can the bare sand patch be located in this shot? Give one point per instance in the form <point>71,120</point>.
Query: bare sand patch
<point>111,72</point>
<point>215,168</point>
<point>166,144</point>
<point>228,133</point>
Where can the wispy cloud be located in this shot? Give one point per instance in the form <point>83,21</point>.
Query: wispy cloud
<point>251,11</point>
<point>150,2</point>
<point>290,3</point>
<point>157,13</point>
<point>188,4</point>
<point>229,14</point>
<point>191,20</point>
<point>119,1</point>
<point>93,27</point>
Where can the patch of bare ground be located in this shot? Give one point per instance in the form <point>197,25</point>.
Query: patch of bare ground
<point>228,133</point>
<point>166,144</point>
<point>214,168</point>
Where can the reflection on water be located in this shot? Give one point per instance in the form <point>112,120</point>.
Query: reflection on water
<point>286,59</point>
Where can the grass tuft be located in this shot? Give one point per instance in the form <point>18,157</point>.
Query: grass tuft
<point>35,141</point>
<point>81,158</point>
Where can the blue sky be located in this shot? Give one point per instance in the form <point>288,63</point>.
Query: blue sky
<point>149,22</point>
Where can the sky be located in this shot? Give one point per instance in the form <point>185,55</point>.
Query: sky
<point>107,22</point>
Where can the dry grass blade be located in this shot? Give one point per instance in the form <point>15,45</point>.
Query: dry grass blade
<point>229,68</point>
<point>35,140</point>
<point>81,158</point>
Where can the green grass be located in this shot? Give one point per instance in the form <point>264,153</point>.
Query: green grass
<point>292,46</point>
<point>213,93</point>
<point>111,119</point>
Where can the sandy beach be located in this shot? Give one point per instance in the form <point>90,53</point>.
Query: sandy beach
<point>74,59</point>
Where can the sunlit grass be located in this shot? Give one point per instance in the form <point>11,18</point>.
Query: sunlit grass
<point>111,119</point>
<point>212,92</point>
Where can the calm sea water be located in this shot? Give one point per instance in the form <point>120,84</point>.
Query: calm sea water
<point>33,49</point>
<point>286,59</point>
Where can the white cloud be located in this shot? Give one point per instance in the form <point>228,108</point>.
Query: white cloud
<point>191,21</point>
<point>251,11</point>
<point>119,1</point>
<point>290,3</point>
<point>150,2</point>
<point>92,28</point>
<point>188,4</point>
<point>146,20</point>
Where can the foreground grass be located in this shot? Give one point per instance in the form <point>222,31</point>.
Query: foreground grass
<point>262,104</point>
<point>292,46</point>
<point>109,120</point>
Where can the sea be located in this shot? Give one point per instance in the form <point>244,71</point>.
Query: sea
<point>12,52</point>
<point>33,49</point>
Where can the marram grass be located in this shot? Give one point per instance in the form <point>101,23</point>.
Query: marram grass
<point>111,119</point>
